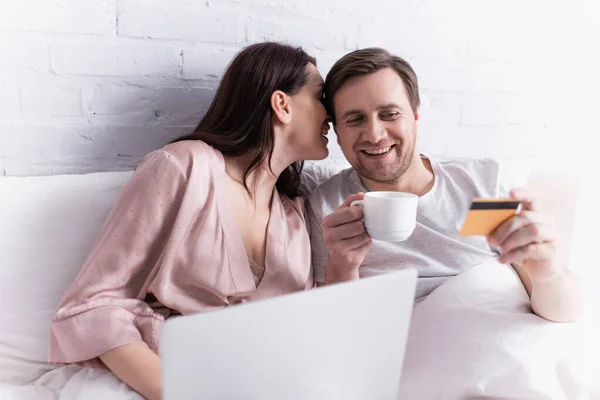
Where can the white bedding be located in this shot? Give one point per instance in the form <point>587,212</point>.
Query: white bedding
<point>72,383</point>
<point>474,337</point>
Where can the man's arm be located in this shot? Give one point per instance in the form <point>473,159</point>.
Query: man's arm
<point>529,243</point>
<point>555,298</point>
<point>319,254</point>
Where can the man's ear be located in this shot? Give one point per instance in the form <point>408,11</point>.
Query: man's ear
<point>417,115</point>
<point>282,108</point>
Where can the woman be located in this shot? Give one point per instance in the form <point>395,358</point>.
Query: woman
<point>212,220</point>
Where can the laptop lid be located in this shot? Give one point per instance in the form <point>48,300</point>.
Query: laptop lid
<point>344,341</point>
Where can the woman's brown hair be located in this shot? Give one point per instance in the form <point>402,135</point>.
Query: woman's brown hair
<point>240,117</point>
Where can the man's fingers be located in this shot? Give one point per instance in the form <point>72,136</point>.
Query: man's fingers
<point>345,231</point>
<point>532,233</point>
<point>517,222</point>
<point>366,246</point>
<point>351,198</point>
<point>528,203</point>
<point>354,253</point>
<point>353,243</point>
<point>342,216</point>
<point>541,252</point>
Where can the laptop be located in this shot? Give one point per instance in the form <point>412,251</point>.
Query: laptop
<point>344,341</point>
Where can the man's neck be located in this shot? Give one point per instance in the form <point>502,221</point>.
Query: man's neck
<point>417,179</point>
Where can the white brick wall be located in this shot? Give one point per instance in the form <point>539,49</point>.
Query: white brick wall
<point>64,16</point>
<point>22,53</point>
<point>88,85</point>
<point>205,61</point>
<point>190,23</point>
<point>50,100</point>
<point>116,60</point>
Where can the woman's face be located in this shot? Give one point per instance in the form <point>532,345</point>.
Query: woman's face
<point>310,122</point>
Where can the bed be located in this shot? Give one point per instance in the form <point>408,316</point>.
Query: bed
<point>474,337</point>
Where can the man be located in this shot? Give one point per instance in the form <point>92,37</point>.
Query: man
<point>373,100</point>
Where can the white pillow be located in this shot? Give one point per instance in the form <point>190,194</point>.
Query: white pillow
<point>317,172</point>
<point>48,225</point>
<point>476,336</point>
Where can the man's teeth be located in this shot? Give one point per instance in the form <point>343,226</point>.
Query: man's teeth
<point>379,151</point>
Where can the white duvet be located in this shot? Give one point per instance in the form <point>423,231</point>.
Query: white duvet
<point>72,383</point>
<point>474,337</point>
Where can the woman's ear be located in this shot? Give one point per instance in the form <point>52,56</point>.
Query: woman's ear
<point>282,108</point>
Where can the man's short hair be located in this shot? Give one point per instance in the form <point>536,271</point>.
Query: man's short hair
<point>364,62</point>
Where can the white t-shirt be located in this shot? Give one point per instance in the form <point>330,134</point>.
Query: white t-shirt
<point>434,248</point>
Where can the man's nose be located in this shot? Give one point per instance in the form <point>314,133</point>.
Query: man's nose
<point>375,131</point>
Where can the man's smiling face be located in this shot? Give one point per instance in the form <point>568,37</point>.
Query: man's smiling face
<point>376,125</point>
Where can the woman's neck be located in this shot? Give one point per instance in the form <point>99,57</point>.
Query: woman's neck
<point>260,181</point>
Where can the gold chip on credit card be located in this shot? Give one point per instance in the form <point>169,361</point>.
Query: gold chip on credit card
<point>485,215</point>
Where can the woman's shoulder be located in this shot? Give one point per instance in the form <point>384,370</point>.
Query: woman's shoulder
<point>188,150</point>
<point>191,156</point>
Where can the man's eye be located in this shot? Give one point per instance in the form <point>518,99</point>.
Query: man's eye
<point>354,120</point>
<point>390,115</point>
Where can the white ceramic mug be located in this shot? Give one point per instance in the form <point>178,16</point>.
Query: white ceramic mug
<point>389,216</point>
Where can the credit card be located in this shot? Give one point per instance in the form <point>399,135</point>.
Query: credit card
<point>485,215</point>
